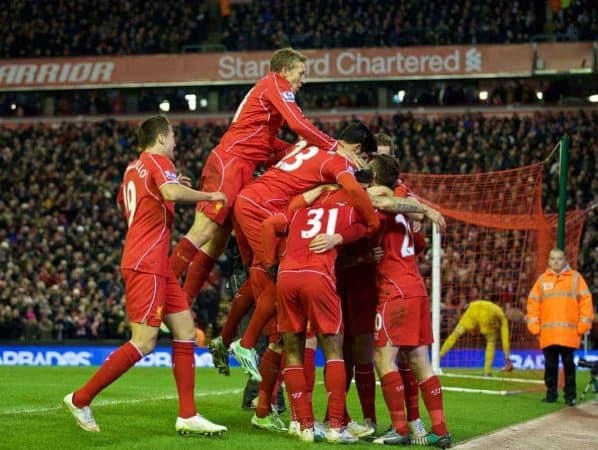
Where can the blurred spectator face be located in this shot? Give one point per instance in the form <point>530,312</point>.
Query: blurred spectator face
<point>556,260</point>
<point>295,75</point>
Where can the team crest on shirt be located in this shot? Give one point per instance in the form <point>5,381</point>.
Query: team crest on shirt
<point>288,97</point>
<point>547,286</point>
<point>170,175</point>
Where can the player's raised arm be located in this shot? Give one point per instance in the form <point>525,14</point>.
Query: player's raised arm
<point>310,196</point>
<point>288,67</point>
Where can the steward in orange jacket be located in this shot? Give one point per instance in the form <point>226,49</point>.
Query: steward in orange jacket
<point>559,311</point>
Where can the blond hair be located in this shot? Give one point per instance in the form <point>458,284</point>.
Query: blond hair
<point>285,58</point>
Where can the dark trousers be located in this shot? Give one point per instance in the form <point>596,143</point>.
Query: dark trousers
<point>551,371</point>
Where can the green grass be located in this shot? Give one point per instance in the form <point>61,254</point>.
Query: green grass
<point>139,410</point>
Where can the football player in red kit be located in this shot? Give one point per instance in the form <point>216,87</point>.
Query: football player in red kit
<point>250,140</point>
<point>306,289</point>
<point>302,169</point>
<point>403,321</point>
<point>150,188</point>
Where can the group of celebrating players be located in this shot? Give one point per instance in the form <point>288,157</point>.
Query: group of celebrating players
<point>318,199</point>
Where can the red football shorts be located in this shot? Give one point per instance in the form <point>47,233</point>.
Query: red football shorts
<point>304,296</point>
<point>249,216</point>
<point>404,322</point>
<point>356,287</point>
<point>225,173</point>
<point>149,297</point>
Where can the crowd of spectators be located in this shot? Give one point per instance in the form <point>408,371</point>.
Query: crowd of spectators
<point>110,27</point>
<point>31,28</point>
<point>261,25</point>
<point>61,233</point>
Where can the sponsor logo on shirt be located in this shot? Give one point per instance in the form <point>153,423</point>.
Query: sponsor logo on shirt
<point>171,176</point>
<point>548,286</point>
<point>288,97</point>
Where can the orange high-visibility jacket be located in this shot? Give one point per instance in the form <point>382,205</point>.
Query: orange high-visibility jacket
<point>559,308</point>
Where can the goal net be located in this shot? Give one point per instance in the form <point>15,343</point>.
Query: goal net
<point>495,245</point>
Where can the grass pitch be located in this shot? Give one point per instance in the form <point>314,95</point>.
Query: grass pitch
<point>139,411</point>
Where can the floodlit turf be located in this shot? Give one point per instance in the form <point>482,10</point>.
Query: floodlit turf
<point>139,410</point>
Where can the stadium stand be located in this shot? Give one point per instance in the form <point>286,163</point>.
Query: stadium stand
<point>61,233</point>
<point>55,28</point>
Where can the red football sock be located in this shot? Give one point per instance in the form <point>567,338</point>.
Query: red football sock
<point>182,255</point>
<point>411,392</point>
<point>183,367</point>
<point>242,302</point>
<point>366,388</point>
<point>269,370</point>
<point>276,390</point>
<point>309,369</point>
<point>265,309</point>
<point>334,380</point>
<point>294,380</point>
<point>117,363</point>
<point>394,396</point>
<point>432,395</point>
<point>198,272</point>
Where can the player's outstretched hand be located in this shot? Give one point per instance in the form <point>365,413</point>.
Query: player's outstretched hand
<point>435,217</point>
<point>324,242</point>
<point>377,253</point>
<point>218,197</point>
<point>185,181</point>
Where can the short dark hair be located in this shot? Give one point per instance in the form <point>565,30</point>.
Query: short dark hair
<point>285,58</point>
<point>386,169</point>
<point>149,129</point>
<point>357,133</point>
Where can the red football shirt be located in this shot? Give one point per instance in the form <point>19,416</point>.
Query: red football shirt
<point>398,273</point>
<point>329,214</point>
<point>149,216</point>
<point>303,168</point>
<point>253,132</point>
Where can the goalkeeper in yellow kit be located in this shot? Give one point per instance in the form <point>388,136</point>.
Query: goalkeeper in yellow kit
<point>489,318</point>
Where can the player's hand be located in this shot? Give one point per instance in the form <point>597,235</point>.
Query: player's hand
<point>377,253</point>
<point>217,197</point>
<point>185,181</point>
<point>380,191</point>
<point>353,157</point>
<point>435,217</point>
<point>324,242</point>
